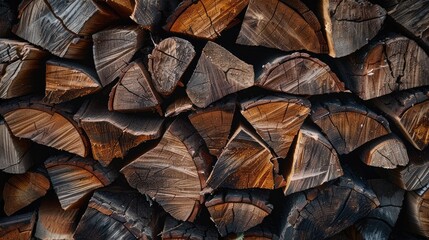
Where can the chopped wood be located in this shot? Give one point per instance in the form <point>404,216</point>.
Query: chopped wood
<point>299,73</point>
<point>265,231</point>
<point>416,206</point>
<point>174,172</point>
<point>174,229</point>
<point>113,50</point>
<point>17,226</point>
<point>285,25</point>
<point>204,18</point>
<point>350,24</point>
<point>218,73</point>
<point>178,106</point>
<point>123,8</point>
<point>147,13</point>
<point>168,62</point>
<point>277,119</point>
<point>7,17</point>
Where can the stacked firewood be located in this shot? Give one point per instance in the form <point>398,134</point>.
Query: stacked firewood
<point>214,119</point>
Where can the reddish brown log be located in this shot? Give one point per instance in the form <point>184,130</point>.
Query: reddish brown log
<point>123,8</point>
<point>180,105</point>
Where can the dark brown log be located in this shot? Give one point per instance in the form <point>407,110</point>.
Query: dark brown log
<point>123,8</point>
<point>174,172</point>
<point>285,25</point>
<point>393,64</point>
<point>299,73</point>
<point>180,105</point>
<point>174,229</point>
<point>20,68</point>
<point>23,189</point>
<point>113,50</point>
<point>7,17</point>
<point>168,62</point>
<point>134,91</point>
<point>74,178</point>
<point>350,24</point>
<point>416,206</point>
<point>125,130</point>
<point>314,161</point>
<point>218,73</point>
<point>117,213</point>
<point>236,211</point>
<point>277,119</point>
<point>265,231</point>
<point>17,226</point>
<point>347,123</point>
<point>204,18</point>
<point>147,13</point>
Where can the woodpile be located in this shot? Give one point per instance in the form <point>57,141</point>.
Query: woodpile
<point>214,119</point>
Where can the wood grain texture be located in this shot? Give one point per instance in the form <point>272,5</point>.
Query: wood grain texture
<point>7,17</point>
<point>218,73</point>
<point>123,8</point>
<point>267,230</point>
<point>174,229</point>
<point>416,206</point>
<point>147,13</point>
<point>180,105</point>
<point>174,172</point>
<point>17,226</point>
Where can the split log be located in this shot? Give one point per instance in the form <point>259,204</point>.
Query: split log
<point>74,178</point>
<point>277,119</point>
<point>125,131</point>
<point>235,211</point>
<point>7,17</point>
<point>174,229</point>
<point>113,49</point>
<point>17,226</point>
<point>174,172</point>
<point>285,25</point>
<point>314,161</point>
<point>415,215</point>
<point>123,8</point>
<point>23,189</point>
<point>55,25</point>
<point>204,18</point>
<point>264,231</point>
<point>350,24</point>
<point>168,62</point>
<point>180,105</point>
<point>218,73</point>
<point>393,64</point>
<point>347,123</point>
<point>20,68</point>
<point>147,13</point>
<point>134,91</point>
<point>299,73</point>
<point>117,213</point>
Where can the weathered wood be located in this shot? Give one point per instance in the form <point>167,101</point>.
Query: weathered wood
<point>113,50</point>
<point>276,118</point>
<point>285,25</point>
<point>168,62</point>
<point>314,161</point>
<point>204,18</point>
<point>265,231</point>
<point>7,17</point>
<point>125,131</point>
<point>235,211</point>
<point>416,206</point>
<point>299,73</point>
<point>17,226</point>
<point>218,73</point>
<point>180,105</point>
<point>350,24</point>
<point>347,123</point>
<point>123,8</point>
<point>74,178</point>
<point>147,13</point>
<point>174,229</point>
<point>174,172</point>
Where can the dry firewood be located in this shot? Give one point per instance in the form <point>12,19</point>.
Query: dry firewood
<point>17,226</point>
<point>20,68</point>
<point>180,105</point>
<point>416,206</point>
<point>350,24</point>
<point>174,229</point>
<point>347,123</point>
<point>174,172</point>
<point>117,213</point>
<point>265,231</point>
<point>7,17</point>
<point>134,91</point>
<point>299,73</point>
<point>277,119</point>
<point>218,73</point>
<point>204,18</point>
<point>314,161</point>
<point>125,131</point>
<point>74,178</point>
<point>168,62</point>
<point>285,25</point>
<point>392,64</point>
<point>235,211</point>
<point>23,189</point>
<point>113,50</point>
<point>123,8</point>
<point>62,27</point>
<point>147,13</point>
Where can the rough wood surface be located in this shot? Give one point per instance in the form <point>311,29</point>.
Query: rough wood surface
<point>180,105</point>
<point>218,73</point>
<point>416,205</point>
<point>123,8</point>
<point>147,13</point>
<point>17,226</point>
<point>7,17</point>
<point>174,172</point>
<point>267,230</point>
<point>174,229</point>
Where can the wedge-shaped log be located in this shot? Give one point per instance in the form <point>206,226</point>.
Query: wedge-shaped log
<point>147,13</point>
<point>180,105</point>
<point>17,226</point>
<point>218,73</point>
<point>174,229</point>
<point>174,172</point>
<point>416,204</point>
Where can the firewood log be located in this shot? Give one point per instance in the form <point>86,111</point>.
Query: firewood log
<point>7,17</point>
<point>174,229</point>
<point>204,18</point>
<point>74,178</point>
<point>17,226</point>
<point>147,13</point>
<point>168,62</point>
<point>350,24</point>
<point>415,215</point>
<point>123,8</point>
<point>180,105</point>
<point>218,73</point>
<point>174,172</point>
<point>264,231</point>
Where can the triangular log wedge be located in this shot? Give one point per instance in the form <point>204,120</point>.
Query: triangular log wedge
<point>17,226</point>
<point>416,204</point>
<point>180,105</point>
<point>147,13</point>
<point>174,172</point>
<point>174,229</point>
<point>218,73</point>
<point>277,119</point>
<point>285,25</point>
